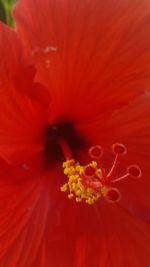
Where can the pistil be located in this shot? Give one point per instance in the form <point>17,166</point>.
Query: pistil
<point>65,149</point>
<point>88,183</point>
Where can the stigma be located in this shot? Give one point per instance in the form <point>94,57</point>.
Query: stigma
<point>91,182</point>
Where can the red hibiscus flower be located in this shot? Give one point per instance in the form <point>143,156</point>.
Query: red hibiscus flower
<point>74,84</point>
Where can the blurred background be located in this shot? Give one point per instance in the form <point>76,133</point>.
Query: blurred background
<point>5,11</point>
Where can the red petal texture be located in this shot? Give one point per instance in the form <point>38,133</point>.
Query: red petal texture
<point>94,58</point>
<point>21,114</point>
<point>39,228</point>
<point>88,48</point>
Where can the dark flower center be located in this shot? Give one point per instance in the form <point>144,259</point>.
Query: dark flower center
<point>54,133</point>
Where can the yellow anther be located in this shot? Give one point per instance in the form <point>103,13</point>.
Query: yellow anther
<point>68,163</point>
<point>66,171</point>
<point>99,173</point>
<point>89,190</point>
<point>79,169</point>
<point>104,190</point>
<point>78,199</point>
<point>69,171</point>
<point>70,196</point>
<point>72,178</point>
<point>89,201</point>
<point>79,184</point>
<point>82,189</point>
<point>94,164</point>
<point>76,185</point>
<point>64,165</point>
<point>64,188</point>
<point>78,192</point>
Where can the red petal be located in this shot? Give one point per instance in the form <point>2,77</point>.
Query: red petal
<point>100,237</point>
<point>22,116</point>
<point>105,236</point>
<point>16,70</point>
<point>21,226</point>
<point>36,223</point>
<point>86,49</point>
<point>22,126</point>
<point>29,218</point>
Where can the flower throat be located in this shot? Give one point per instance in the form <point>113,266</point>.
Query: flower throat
<point>91,182</point>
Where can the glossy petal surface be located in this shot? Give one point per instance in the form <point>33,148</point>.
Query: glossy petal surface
<point>21,115</point>
<point>36,223</point>
<point>93,58</point>
<point>90,48</point>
